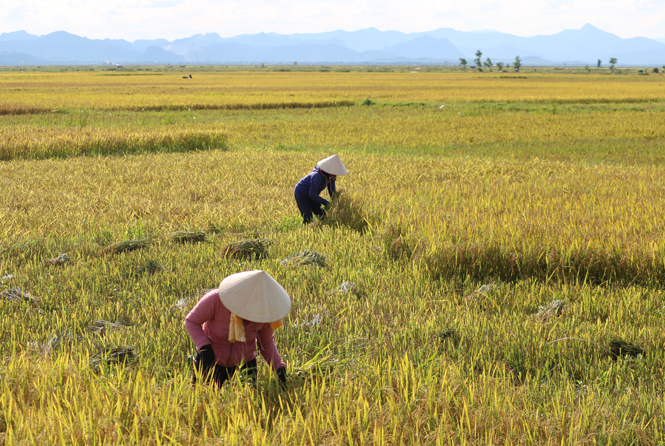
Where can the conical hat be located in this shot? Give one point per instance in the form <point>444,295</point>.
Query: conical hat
<point>254,296</point>
<point>332,165</point>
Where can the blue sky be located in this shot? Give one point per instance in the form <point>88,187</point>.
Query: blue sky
<point>173,19</point>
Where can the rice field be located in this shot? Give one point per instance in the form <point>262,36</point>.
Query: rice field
<point>209,88</point>
<point>491,274</point>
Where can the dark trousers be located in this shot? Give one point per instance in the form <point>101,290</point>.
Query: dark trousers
<point>220,374</point>
<point>308,208</point>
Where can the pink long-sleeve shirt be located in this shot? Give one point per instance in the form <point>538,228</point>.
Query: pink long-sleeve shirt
<point>208,323</point>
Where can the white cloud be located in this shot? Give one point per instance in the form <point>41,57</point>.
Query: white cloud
<point>172,19</point>
<point>14,15</point>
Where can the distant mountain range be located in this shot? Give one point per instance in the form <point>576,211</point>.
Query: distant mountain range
<point>369,46</point>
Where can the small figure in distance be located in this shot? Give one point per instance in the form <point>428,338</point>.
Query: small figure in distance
<point>307,190</point>
<point>227,322</point>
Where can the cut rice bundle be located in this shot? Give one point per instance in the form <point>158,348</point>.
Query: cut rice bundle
<point>306,258</point>
<point>247,249</point>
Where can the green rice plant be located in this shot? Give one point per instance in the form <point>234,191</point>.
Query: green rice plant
<point>247,249</point>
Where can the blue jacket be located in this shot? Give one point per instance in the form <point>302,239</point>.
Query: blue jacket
<point>312,185</point>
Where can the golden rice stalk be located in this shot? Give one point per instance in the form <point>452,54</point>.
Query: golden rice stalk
<point>126,246</point>
<point>344,211</point>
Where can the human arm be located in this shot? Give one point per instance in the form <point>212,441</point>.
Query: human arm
<point>332,188</point>
<point>201,313</point>
<point>268,349</point>
<point>315,189</point>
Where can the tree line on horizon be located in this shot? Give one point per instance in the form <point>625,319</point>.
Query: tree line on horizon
<point>517,64</point>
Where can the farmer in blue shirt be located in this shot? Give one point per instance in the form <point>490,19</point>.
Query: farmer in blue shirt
<point>308,189</point>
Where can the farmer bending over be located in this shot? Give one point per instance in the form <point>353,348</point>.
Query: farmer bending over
<point>227,323</point>
<point>308,189</point>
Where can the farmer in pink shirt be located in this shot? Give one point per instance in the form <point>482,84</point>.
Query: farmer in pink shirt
<point>227,324</point>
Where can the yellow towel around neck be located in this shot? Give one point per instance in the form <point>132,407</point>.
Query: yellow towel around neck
<point>237,329</point>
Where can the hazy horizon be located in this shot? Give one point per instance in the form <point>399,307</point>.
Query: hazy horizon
<point>176,19</point>
<point>295,33</point>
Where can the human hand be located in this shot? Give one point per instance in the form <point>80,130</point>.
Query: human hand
<point>281,374</point>
<point>206,356</point>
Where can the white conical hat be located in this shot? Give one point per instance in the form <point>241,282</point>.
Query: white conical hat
<point>332,165</point>
<point>254,296</point>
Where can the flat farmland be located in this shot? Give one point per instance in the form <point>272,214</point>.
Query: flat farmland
<point>110,90</point>
<point>502,231</point>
